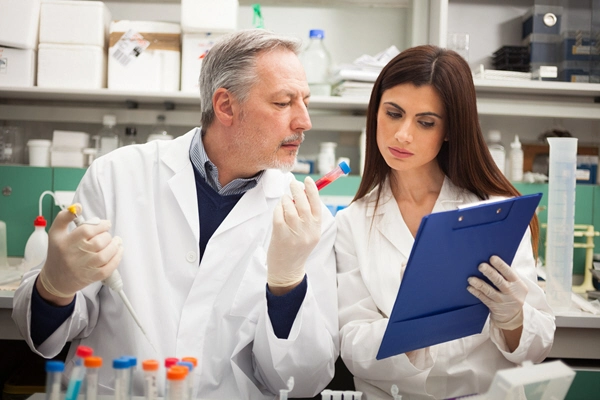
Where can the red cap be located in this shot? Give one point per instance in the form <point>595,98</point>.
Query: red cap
<point>84,351</point>
<point>170,361</point>
<point>39,221</point>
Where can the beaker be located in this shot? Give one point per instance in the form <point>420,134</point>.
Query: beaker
<point>561,221</point>
<point>11,146</point>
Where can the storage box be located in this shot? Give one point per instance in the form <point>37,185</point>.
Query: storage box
<point>542,19</point>
<point>19,23</point>
<point>70,139</point>
<point>17,67</point>
<point>542,48</point>
<point>193,49</point>
<point>144,56</point>
<point>209,15</point>
<point>574,71</point>
<point>587,169</point>
<point>71,66</point>
<point>74,22</point>
<point>577,46</point>
<point>67,157</point>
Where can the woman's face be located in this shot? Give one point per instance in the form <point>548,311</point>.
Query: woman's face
<point>411,127</point>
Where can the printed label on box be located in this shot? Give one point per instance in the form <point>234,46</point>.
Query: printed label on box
<point>129,47</point>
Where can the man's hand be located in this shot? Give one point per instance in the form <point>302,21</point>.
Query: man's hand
<point>296,232</point>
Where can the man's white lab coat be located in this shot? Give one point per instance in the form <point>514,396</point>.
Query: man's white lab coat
<point>372,248</point>
<point>215,311</point>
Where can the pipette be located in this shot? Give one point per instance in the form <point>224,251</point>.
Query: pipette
<point>114,281</point>
<point>341,170</point>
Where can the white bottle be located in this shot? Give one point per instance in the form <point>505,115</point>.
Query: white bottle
<point>108,137</point>
<point>36,248</point>
<point>516,160</point>
<point>317,63</point>
<point>159,131</point>
<point>496,149</point>
<point>326,160</point>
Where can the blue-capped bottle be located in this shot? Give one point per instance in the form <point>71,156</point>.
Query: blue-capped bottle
<point>317,64</point>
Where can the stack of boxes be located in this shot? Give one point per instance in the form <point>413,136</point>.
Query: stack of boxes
<point>203,22</point>
<point>19,22</point>
<point>541,34</point>
<point>144,56</point>
<point>72,44</point>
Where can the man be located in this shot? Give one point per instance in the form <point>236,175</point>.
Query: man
<point>218,260</point>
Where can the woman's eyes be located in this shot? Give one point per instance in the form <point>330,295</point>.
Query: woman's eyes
<point>427,124</point>
<point>394,114</point>
<point>398,115</point>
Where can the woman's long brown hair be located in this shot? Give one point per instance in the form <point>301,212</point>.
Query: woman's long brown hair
<point>464,157</point>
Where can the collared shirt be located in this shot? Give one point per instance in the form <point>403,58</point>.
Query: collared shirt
<point>210,172</point>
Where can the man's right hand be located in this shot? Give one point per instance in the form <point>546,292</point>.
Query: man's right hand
<point>78,258</point>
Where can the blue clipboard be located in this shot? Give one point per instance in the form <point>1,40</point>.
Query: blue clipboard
<point>433,305</point>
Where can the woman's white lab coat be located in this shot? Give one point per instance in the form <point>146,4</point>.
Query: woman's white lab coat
<point>215,311</point>
<point>372,248</point>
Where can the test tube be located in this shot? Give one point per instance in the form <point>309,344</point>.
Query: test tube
<point>54,370</point>
<point>121,369</point>
<point>150,368</point>
<point>92,366</point>
<point>341,170</point>
<point>175,388</point>
<point>78,372</point>
<point>130,374</point>
<point>189,377</point>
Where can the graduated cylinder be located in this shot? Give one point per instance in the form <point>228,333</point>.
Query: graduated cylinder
<point>561,221</point>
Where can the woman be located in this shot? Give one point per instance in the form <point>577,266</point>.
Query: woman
<point>425,153</point>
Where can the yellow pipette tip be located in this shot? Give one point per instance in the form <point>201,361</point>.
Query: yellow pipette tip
<point>74,209</point>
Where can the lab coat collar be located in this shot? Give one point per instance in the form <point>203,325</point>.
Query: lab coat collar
<point>389,221</point>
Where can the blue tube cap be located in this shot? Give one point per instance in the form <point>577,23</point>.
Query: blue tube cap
<point>121,363</point>
<point>345,167</point>
<point>55,366</point>
<point>187,364</point>
<point>132,360</point>
<point>316,33</point>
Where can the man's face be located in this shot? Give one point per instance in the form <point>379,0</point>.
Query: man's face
<point>272,121</point>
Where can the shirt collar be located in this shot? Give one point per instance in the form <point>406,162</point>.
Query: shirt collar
<point>210,173</point>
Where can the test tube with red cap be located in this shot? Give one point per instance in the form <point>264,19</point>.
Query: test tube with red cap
<point>342,169</point>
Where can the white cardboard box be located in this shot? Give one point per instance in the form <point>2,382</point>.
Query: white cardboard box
<point>193,49</point>
<point>74,22</point>
<point>70,139</point>
<point>66,157</point>
<point>19,23</point>
<point>71,66</point>
<point>144,56</point>
<point>209,15</point>
<point>17,67</point>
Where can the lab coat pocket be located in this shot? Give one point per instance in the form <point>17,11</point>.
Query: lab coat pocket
<point>250,297</point>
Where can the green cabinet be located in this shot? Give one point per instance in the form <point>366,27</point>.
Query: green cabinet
<point>21,187</point>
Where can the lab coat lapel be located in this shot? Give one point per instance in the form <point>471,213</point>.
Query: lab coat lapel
<point>254,201</point>
<point>183,182</point>
<point>389,222</point>
<point>450,197</point>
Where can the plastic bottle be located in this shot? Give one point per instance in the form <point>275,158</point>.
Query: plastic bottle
<point>326,160</point>
<point>121,370</point>
<point>496,149</point>
<point>516,160</point>
<point>108,136</point>
<point>317,63</point>
<point>176,386</point>
<point>92,367</point>
<point>130,134</point>
<point>36,248</point>
<point>150,368</point>
<point>190,377</point>
<point>78,372</point>
<point>54,370</point>
<point>159,131</point>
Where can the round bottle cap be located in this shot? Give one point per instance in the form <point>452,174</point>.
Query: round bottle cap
<point>177,373</point>
<point>55,366</point>
<point>193,360</point>
<point>121,363</point>
<point>170,361</point>
<point>39,221</point>
<point>316,33</point>
<point>84,351</point>
<point>345,167</point>
<point>150,365</point>
<point>93,362</point>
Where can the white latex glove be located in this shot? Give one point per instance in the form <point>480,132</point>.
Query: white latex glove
<point>80,257</point>
<point>506,302</point>
<point>296,232</point>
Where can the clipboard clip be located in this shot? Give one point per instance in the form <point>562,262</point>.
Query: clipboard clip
<point>481,213</point>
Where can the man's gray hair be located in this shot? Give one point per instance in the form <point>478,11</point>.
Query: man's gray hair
<point>231,62</point>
